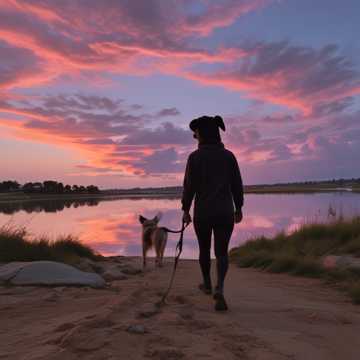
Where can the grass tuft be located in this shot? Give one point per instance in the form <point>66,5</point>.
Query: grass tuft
<point>300,253</point>
<point>17,245</point>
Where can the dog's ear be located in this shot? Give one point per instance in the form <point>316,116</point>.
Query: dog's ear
<point>141,219</point>
<point>158,216</point>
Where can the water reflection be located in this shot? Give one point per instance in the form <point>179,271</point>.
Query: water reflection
<point>51,205</point>
<point>112,227</point>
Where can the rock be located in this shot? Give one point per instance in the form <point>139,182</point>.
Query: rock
<point>129,270</point>
<point>113,274</point>
<point>48,273</point>
<point>136,329</point>
<point>342,261</point>
<point>9,271</point>
<point>91,266</point>
<point>329,262</point>
<point>85,265</point>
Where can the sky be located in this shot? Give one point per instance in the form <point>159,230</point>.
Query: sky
<point>102,92</point>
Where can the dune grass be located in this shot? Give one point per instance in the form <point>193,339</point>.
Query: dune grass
<point>16,244</point>
<point>299,253</point>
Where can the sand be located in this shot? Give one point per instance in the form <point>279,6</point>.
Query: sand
<point>270,317</point>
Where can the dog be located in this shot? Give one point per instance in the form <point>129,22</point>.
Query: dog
<point>153,236</point>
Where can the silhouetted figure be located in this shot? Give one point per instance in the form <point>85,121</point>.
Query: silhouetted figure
<point>212,175</point>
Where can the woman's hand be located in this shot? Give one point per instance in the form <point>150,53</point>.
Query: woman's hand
<point>238,216</point>
<point>186,217</point>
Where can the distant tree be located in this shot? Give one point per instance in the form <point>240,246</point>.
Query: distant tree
<point>91,189</point>
<point>75,188</point>
<point>9,185</point>
<point>28,187</point>
<point>82,188</point>
<point>38,187</point>
<point>31,187</point>
<point>67,189</point>
<point>50,186</point>
<point>59,188</point>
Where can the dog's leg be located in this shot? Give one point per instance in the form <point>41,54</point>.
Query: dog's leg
<point>157,260</point>
<point>163,244</point>
<point>144,256</point>
<point>157,250</point>
<point>156,243</point>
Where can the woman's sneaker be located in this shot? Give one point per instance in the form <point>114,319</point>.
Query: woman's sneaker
<point>220,303</point>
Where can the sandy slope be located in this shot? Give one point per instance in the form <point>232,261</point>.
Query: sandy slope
<point>271,317</point>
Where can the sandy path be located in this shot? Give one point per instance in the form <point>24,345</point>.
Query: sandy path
<point>270,317</point>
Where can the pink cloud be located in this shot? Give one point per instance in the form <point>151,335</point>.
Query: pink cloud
<point>115,36</point>
<point>148,40</point>
<point>297,77</point>
<point>219,14</point>
<point>110,134</point>
<point>43,40</point>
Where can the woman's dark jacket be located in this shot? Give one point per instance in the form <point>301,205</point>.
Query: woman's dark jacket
<point>213,176</point>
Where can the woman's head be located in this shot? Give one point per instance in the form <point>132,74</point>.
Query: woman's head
<point>206,128</point>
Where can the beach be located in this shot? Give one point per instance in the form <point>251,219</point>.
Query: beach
<point>270,317</point>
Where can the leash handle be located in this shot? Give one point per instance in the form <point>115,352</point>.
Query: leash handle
<point>179,245</point>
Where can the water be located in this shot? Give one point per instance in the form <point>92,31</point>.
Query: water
<point>112,227</point>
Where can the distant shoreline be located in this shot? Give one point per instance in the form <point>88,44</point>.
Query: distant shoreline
<point>169,194</point>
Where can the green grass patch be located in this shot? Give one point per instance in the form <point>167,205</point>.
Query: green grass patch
<point>300,253</point>
<point>17,245</point>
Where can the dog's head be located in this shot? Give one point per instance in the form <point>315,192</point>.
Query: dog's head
<point>150,222</point>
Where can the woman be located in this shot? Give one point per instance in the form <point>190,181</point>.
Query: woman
<point>212,175</point>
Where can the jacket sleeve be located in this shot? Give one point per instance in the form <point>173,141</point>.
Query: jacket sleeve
<point>236,184</point>
<point>189,186</point>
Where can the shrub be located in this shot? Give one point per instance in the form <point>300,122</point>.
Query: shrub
<point>282,263</point>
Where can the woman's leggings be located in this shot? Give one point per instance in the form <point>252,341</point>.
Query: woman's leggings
<point>222,233</point>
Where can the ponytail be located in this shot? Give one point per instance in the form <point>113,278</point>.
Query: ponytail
<point>219,122</point>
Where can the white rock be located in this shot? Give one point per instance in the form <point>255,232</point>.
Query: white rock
<point>48,273</point>
<point>8,271</point>
<point>343,261</point>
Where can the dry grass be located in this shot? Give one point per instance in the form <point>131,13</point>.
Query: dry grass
<point>17,245</point>
<point>299,253</point>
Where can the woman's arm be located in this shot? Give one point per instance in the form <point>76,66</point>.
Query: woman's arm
<point>188,185</point>
<point>237,185</point>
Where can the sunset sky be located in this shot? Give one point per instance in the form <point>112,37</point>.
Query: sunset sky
<point>102,92</point>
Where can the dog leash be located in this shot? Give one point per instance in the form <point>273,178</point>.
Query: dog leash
<point>171,231</point>
<point>178,251</point>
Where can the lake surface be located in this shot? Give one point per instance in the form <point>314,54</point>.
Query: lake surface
<point>112,227</point>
